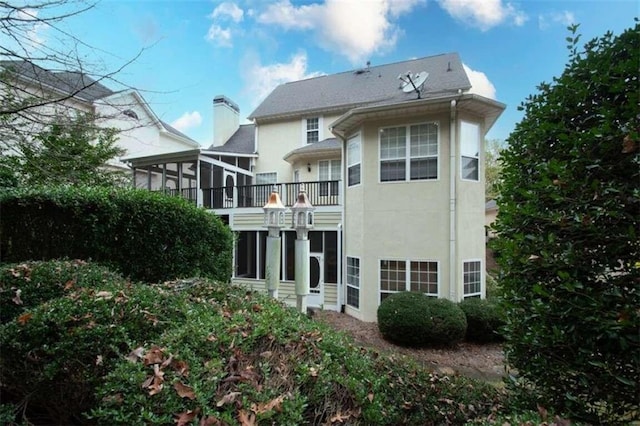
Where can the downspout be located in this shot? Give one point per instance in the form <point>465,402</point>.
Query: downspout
<point>452,205</point>
<point>342,289</point>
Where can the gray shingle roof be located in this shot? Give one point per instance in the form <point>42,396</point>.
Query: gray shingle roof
<point>70,82</point>
<point>241,142</point>
<point>376,85</point>
<point>169,128</point>
<point>324,146</point>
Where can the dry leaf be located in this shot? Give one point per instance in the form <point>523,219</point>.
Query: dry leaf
<point>246,418</point>
<point>24,318</point>
<point>211,421</point>
<point>16,298</point>
<point>187,417</point>
<point>104,295</point>
<point>274,404</point>
<point>154,383</point>
<point>135,354</point>
<point>370,397</point>
<point>228,399</point>
<point>154,356</point>
<point>99,360</point>
<point>181,367</point>
<point>543,413</point>
<point>69,284</point>
<point>340,418</point>
<point>184,391</point>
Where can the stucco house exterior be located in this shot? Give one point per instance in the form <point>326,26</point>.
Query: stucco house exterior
<point>395,173</point>
<point>141,132</point>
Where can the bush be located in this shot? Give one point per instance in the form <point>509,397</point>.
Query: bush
<point>54,355</point>
<point>447,323</point>
<point>144,235</point>
<point>484,320</point>
<point>26,285</point>
<point>568,234</point>
<point>403,318</point>
<point>413,319</point>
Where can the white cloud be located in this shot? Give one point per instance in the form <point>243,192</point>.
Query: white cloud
<point>352,28</point>
<point>227,10</point>
<point>484,14</point>
<point>219,36</point>
<point>261,80</point>
<point>187,120</point>
<point>565,18</point>
<point>480,83</point>
<point>33,29</point>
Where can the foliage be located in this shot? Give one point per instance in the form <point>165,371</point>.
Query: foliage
<point>207,353</point>
<point>145,236</point>
<point>447,322</point>
<point>54,355</point>
<point>484,320</point>
<point>25,286</point>
<point>568,233</point>
<point>414,319</point>
<point>403,318</point>
<point>492,167</point>
<point>70,151</point>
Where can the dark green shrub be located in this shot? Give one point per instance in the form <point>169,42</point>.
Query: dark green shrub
<point>568,234</point>
<point>484,320</point>
<point>54,355</point>
<point>144,235</point>
<point>403,318</point>
<point>24,286</point>
<point>447,323</point>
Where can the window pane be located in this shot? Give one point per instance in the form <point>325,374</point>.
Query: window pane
<point>353,282</point>
<point>315,241</point>
<point>470,168</point>
<point>472,278</point>
<point>323,170</point>
<point>424,168</point>
<point>393,275</point>
<point>354,175</point>
<point>312,136</point>
<point>469,139</point>
<point>393,143</point>
<point>330,257</point>
<point>392,170</point>
<point>424,277</point>
<point>336,170</point>
<point>424,140</point>
<point>312,123</point>
<point>290,257</point>
<point>265,178</point>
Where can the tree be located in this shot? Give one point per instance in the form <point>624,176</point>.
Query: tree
<point>492,170</point>
<point>569,215</point>
<point>71,151</point>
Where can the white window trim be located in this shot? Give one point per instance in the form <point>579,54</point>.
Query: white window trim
<point>346,163</point>
<point>407,171</point>
<point>346,278</point>
<point>303,128</point>
<point>407,276</point>
<point>479,153</point>
<point>266,173</point>
<point>482,278</point>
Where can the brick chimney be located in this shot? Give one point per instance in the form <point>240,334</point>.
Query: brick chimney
<point>226,119</point>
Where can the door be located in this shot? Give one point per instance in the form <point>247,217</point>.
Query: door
<point>316,280</point>
<point>229,183</point>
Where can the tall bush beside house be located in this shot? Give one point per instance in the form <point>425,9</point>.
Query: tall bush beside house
<point>144,235</point>
<point>568,234</point>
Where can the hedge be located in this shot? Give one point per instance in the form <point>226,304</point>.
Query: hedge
<point>144,235</point>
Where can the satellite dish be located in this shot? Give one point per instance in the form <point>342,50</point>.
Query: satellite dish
<point>413,82</point>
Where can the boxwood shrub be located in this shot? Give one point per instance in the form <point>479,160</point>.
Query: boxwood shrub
<point>24,286</point>
<point>144,235</point>
<point>484,320</point>
<point>403,318</point>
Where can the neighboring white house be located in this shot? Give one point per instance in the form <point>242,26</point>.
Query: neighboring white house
<point>395,173</point>
<point>141,132</point>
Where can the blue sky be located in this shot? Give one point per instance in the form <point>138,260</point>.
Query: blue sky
<point>195,50</point>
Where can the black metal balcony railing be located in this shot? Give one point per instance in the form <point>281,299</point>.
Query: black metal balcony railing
<point>190,194</point>
<point>320,193</point>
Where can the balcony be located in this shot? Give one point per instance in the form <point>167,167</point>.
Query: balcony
<point>320,193</point>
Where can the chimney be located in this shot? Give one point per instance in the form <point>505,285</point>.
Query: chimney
<point>225,119</point>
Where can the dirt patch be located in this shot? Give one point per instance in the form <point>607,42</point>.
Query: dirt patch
<point>478,361</point>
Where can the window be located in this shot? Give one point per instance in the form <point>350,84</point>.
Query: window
<point>266,178</point>
<point>353,160</point>
<point>469,151</point>
<point>409,153</point>
<point>329,170</point>
<point>353,282</point>
<point>422,277</point>
<point>261,193</point>
<point>313,130</point>
<point>251,248</point>
<point>472,278</point>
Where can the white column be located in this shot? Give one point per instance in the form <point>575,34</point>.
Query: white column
<point>272,268</point>
<point>302,269</point>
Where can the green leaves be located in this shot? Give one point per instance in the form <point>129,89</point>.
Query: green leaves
<point>569,205</point>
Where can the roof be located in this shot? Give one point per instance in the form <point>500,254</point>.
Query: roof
<point>169,128</point>
<point>377,85</point>
<point>241,142</point>
<point>79,84</point>
<point>326,146</point>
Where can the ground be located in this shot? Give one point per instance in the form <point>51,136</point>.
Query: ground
<point>478,361</point>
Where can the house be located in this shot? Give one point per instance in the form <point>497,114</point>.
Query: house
<point>392,161</point>
<point>141,132</point>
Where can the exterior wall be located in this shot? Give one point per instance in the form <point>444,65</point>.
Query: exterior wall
<point>409,220</point>
<point>287,291</point>
<point>277,139</point>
